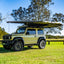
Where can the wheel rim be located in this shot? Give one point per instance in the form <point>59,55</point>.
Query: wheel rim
<point>42,44</point>
<point>18,46</point>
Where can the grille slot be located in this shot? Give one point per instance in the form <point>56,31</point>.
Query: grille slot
<point>5,37</point>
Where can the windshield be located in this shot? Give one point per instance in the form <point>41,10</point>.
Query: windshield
<point>21,30</point>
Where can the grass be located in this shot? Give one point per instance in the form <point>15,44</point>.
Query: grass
<point>52,54</point>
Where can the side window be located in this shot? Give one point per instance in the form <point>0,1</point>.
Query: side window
<point>31,32</point>
<point>40,32</point>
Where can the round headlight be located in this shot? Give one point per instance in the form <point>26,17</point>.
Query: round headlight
<point>9,37</point>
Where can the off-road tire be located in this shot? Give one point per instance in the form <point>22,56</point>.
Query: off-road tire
<point>18,46</point>
<point>7,47</point>
<point>41,44</point>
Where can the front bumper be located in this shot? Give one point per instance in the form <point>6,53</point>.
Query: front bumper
<point>6,42</point>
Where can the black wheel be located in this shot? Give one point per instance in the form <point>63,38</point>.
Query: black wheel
<point>29,46</point>
<point>8,47</point>
<point>42,44</point>
<point>18,46</point>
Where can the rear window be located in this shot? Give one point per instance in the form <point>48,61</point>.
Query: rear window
<point>40,32</point>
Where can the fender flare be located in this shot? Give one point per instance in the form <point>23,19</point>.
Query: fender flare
<point>41,38</point>
<point>18,39</point>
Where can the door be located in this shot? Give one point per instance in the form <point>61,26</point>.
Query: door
<point>30,36</point>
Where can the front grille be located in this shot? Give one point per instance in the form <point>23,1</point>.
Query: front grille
<point>5,37</point>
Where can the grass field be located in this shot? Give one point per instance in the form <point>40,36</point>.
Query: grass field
<point>52,54</point>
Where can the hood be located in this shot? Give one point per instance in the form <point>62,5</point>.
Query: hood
<point>17,34</point>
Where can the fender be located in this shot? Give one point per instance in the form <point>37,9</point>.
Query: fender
<point>18,39</point>
<point>41,38</point>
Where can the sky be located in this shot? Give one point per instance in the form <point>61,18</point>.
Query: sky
<point>6,7</point>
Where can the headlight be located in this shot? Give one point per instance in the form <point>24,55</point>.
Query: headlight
<point>10,37</point>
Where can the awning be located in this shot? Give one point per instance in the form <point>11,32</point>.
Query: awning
<point>37,23</point>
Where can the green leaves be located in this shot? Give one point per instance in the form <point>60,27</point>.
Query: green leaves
<point>58,17</point>
<point>2,32</point>
<point>36,11</point>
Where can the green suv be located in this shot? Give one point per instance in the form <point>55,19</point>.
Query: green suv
<point>24,36</point>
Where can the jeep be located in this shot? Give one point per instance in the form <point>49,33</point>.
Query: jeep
<point>24,36</point>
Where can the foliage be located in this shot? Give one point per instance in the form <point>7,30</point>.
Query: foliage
<point>37,10</point>
<point>58,17</point>
<point>2,32</point>
<point>55,30</point>
<point>54,37</point>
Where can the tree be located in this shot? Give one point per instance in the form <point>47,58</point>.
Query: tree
<point>58,17</point>
<point>2,32</point>
<point>37,10</point>
<point>56,30</point>
<point>1,18</point>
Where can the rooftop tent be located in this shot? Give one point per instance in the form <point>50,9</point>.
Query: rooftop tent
<point>38,23</point>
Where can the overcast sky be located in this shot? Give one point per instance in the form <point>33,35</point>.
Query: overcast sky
<point>6,7</point>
